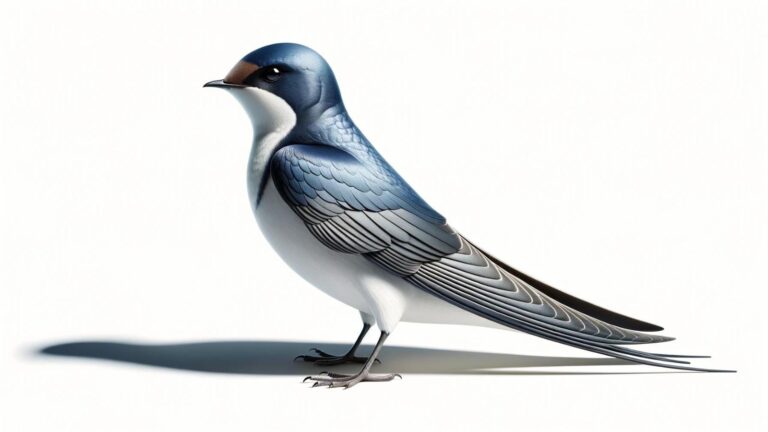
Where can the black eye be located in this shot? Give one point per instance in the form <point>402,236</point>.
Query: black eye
<point>267,74</point>
<point>272,74</point>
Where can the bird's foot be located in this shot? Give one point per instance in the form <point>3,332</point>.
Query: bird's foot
<point>331,379</point>
<point>324,359</point>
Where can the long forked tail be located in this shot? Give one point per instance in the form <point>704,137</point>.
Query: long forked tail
<point>651,359</point>
<point>485,286</point>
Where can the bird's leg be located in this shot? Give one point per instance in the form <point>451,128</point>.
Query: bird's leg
<point>324,359</point>
<point>343,380</point>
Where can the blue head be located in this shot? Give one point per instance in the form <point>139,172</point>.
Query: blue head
<point>294,73</point>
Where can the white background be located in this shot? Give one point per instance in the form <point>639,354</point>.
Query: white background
<point>615,149</point>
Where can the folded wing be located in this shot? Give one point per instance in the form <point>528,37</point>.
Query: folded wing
<point>352,207</point>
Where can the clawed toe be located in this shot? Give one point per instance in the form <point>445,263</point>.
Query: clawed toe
<point>321,353</point>
<point>331,379</point>
<point>324,359</point>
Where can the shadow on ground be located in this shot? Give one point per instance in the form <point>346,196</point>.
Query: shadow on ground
<point>276,358</point>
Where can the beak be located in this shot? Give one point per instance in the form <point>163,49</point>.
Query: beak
<point>236,77</point>
<point>222,84</point>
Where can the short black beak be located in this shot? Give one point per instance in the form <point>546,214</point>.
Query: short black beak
<point>222,84</point>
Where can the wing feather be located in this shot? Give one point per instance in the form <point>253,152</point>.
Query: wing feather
<point>354,209</point>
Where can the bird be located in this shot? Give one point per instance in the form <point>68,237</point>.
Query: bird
<point>340,216</point>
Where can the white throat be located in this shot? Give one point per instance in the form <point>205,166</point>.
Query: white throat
<point>272,120</point>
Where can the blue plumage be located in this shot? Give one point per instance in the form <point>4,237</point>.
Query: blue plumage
<point>354,202</point>
<point>352,186</point>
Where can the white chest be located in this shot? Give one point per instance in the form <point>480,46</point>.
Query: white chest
<point>335,273</point>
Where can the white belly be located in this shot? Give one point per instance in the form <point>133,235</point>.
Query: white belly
<point>351,278</point>
<point>333,272</point>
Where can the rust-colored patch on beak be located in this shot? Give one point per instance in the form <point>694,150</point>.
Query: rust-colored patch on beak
<point>240,72</point>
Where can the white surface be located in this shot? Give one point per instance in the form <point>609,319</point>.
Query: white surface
<point>626,139</point>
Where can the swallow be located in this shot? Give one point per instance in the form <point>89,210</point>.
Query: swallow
<point>342,218</point>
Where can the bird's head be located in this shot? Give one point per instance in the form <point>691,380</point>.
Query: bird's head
<point>281,80</point>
